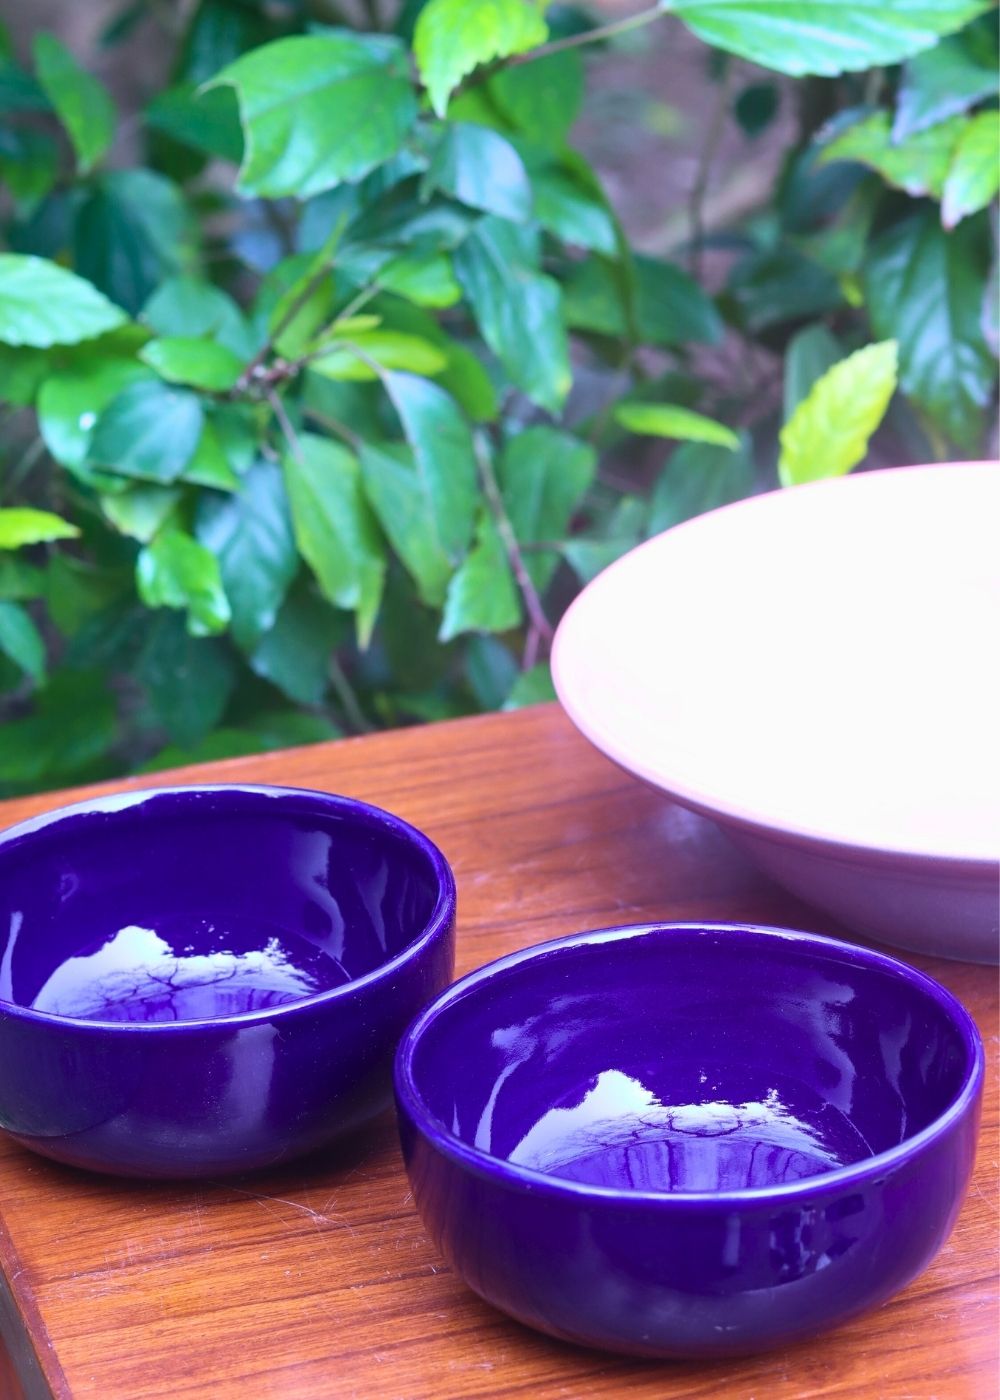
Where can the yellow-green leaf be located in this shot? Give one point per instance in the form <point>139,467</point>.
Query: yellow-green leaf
<point>20,525</point>
<point>670,420</point>
<point>828,433</point>
<point>973,177</point>
<point>82,103</point>
<point>389,349</point>
<point>452,37</point>
<point>918,165</point>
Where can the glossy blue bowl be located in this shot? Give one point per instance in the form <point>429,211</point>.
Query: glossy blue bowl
<point>689,1141</point>
<point>204,980</point>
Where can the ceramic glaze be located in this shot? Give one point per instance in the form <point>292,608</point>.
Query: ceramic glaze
<point>689,1140</point>
<point>201,980</point>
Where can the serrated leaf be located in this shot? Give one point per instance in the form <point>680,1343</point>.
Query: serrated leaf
<point>810,354</point>
<point>42,304</point>
<point>203,364</point>
<point>917,165</point>
<point>829,431</point>
<point>543,475</point>
<point>189,679</point>
<point>147,431</point>
<point>478,167</point>
<point>250,534</point>
<point>482,595</point>
<point>923,288</point>
<point>399,497</point>
<point>187,306</point>
<point>541,99</point>
<point>697,478</point>
<point>670,420</point>
<point>334,527</point>
<point>295,653</point>
<point>517,308</point>
<point>81,102</point>
<point>21,640</point>
<point>973,177</point>
<point>317,110</point>
<point>452,37</point>
<point>942,82</point>
<point>390,349</point>
<point>21,525</point>
<point>175,571</point>
<point>825,37</point>
<point>140,511</point>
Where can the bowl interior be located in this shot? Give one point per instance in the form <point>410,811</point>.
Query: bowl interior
<point>690,1059</point>
<point>198,903</point>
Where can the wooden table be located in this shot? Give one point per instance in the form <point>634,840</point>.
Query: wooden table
<point>317,1280</point>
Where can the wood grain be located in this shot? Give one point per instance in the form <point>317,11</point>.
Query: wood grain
<point>317,1280</point>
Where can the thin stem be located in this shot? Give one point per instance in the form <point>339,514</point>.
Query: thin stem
<point>699,189</point>
<point>23,467</point>
<point>532,603</point>
<point>335,426</point>
<point>285,423</point>
<point>348,699</point>
<point>575,41</point>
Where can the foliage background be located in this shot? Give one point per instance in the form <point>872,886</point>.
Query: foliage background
<point>328,373</point>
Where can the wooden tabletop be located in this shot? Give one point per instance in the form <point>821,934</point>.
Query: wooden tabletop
<point>317,1280</point>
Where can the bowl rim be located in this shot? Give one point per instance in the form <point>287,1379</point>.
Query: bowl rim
<point>714,805</point>
<point>436,925</point>
<point>411,1102</point>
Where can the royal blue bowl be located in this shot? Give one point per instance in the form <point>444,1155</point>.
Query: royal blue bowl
<point>689,1141</point>
<point>204,980</point>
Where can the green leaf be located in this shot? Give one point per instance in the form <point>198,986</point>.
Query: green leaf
<point>147,431</point>
<point>773,285</point>
<point>399,497</point>
<point>829,431</point>
<point>543,475</point>
<point>250,534</point>
<point>482,595</point>
<point>670,420</point>
<point>140,511</point>
<point>82,103</point>
<point>943,82</point>
<point>22,373</point>
<point>208,122</point>
<point>390,349</point>
<point>20,581</point>
<point>189,679</point>
<point>532,687</point>
<point>21,640</point>
<point>42,304</point>
<point>541,99</point>
<point>70,402</point>
<point>825,37</point>
<point>76,590</point>
<point>316,111</point>
<point>588,558</point>
<point>452,37</point>
<point>21,525</point>
<point>698,478</point>
<point>424,278</point>
<point>209,464</point>
<point>466,379</point>
<point>175,571</point>
<point>334,528</point>
<point>568,208</point>
<point>479,168</point>
<point>18,90</point>
<point>204,364</point>
<point>923,288</point>
<point>295,653</point>
<point>132,229</point>
<point>917,165</point>
<point>29,166</point>
<point>64,739</point>
<point>183,306</point>
<point>443,451</point>
<point>809,355</point>
<point>671,308</point>
<point>517,308</point>
<point>974,175</point>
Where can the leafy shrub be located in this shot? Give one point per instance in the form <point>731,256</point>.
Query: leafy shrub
<point>291,436</point>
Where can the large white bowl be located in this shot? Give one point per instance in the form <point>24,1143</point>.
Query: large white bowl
<point>818,670</point>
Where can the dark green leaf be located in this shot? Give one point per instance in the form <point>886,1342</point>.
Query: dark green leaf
<point>334,528</point>
<point>76,590</point>
<point>491,670</point>
<point>250,534</point>
<point>316,111</point>
<point>189,679</point>
<point>479,168</point>
<point>188,306</point>
<point>670,306</point>
<point>63,741</point>
<point>29,166</point>
<point>482,595</point>
<point>20,581</point>
<point>295,653</point>
<point>826,37</point>
<point>917,165</point>
<point>541,99</point>
<point>698,478</point>
<point>42,304</point>
<point>399,496</point>
<point>206,121</point>
<point>518,309</point>
<point>568,208</point>
<point>532,687</point>
<point>779,285</point>
<point>21,640</point>
<point>942,82</point>
<point>829,430</point>
<point>21,525</point>
<point>140,511</point>
<point>147,431</point>
<point>175,571</point>
<point>543,475</point>
<point>18,90</point>
<point>69,404</point>
<point>452,37</point>
<point>810,354</point>
<point>81,102</point>
<point>756,107</point>
<point>443,451</point>
<point>923,288</point>
<point>974,175</point>
<point>184,359</point>
<point>220,30</point>
<point>22,373</point>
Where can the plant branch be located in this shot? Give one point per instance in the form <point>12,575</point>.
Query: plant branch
<point>284,422</point>
<point>574,41</point>
<point>699,189</point>
<point>532,602</point>
<point>349,702</point>
<point>349,436</point>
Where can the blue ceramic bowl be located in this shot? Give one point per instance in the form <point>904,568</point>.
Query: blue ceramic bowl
<point>689,1141</point>
<point>210,979</point>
